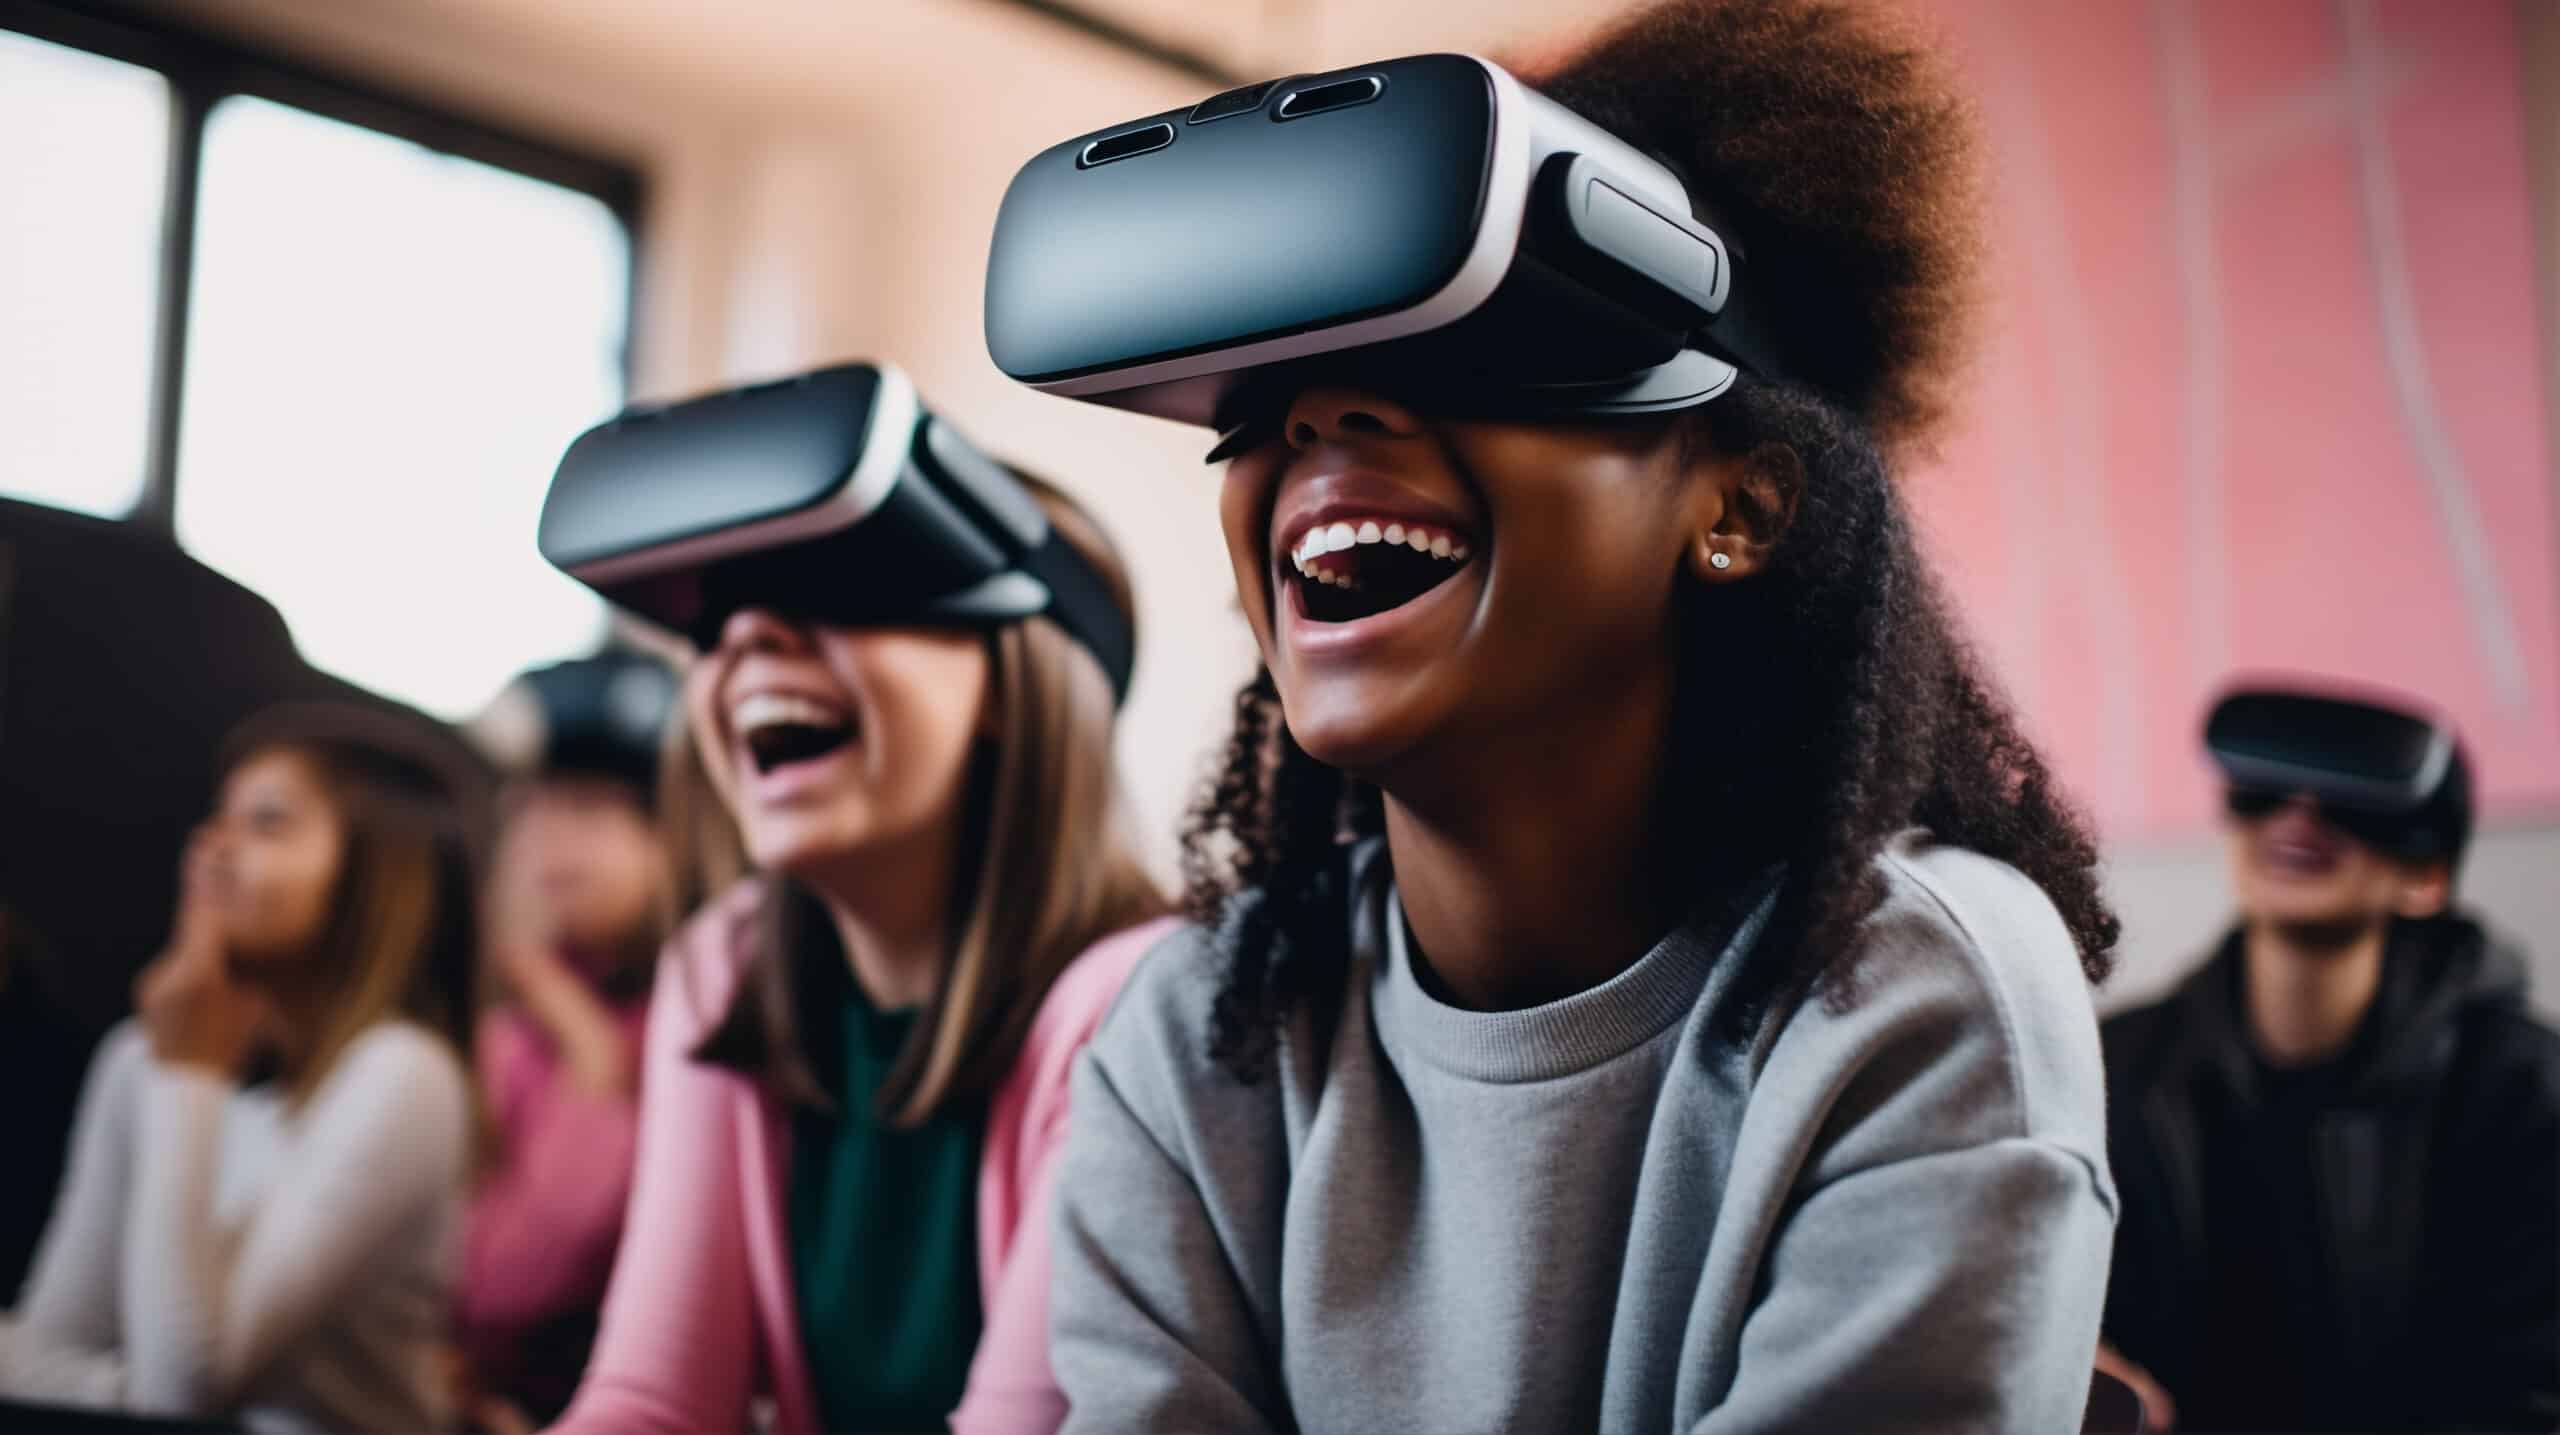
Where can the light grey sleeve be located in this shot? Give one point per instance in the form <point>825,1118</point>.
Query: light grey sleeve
<point>381,1141</point>
<point>1149,1327</point>
<point>1954,1291</point>
<point>1942,1262</point>
<point>59,1344</point>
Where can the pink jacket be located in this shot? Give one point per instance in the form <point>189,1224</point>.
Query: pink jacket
<point>546,1222</point>
<point>701,1316</point>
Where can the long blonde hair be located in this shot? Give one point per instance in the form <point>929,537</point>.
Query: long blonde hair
<point>402,916</point>
<point>1050,870</point>
<point>702,839</point>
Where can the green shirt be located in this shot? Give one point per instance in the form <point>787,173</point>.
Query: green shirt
<point>884,1234</point>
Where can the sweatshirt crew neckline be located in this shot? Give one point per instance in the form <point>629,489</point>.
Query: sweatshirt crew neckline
<point>1557,1038</point>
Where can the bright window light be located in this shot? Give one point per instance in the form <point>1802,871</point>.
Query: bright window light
<point>388,350</point>
<point>84,146</point>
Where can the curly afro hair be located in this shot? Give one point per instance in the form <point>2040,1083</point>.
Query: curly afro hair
<point>1832,698</point>
<point>1836,150</point>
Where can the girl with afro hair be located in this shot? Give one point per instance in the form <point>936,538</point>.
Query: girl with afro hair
<point>1641,983</point>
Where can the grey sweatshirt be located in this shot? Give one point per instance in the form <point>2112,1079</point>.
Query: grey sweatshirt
<point>1600,1213</point>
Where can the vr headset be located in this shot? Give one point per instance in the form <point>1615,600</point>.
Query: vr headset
<point>1429,225</point>
<point>603,716</point>
<point>832,496</point>
<point>2393,778</point>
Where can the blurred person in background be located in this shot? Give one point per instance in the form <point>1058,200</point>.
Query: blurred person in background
<point>855,1076</point>
<point>2338,1143</point>
<point>268,1166</point>
<point>1641,970</point>
<point>43,1050</point>
<point>582,894</point>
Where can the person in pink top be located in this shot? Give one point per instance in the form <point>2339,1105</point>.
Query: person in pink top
<point>855,1070</point>
<point>582,896</point>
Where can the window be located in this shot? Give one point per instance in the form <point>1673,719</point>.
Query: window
<point>83,162</point>
<point>329,340</point>
<point>388,350</point>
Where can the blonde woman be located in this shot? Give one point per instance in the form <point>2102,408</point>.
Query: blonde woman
<point>277,1249</point>
<point>855,1076</point>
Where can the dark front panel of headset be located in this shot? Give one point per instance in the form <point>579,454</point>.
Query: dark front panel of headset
<point>1244,227</point>
<point>887,569</point>
<point>658,476</point>
<point>1540,327</point>
<point>2350,739</point>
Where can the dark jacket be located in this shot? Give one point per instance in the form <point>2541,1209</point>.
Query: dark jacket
<point>2437,1167</point>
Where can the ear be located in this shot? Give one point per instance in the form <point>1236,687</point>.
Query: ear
<point>1743,507</point>
<point>2425,891</point>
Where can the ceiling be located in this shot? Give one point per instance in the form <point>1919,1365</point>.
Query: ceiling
<point>760,56</point>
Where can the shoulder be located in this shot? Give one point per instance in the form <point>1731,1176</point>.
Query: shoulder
<point>125,1047</point>
<point>397,1088</point>
<point>1091,983</point>
<point>1076,1002</point>
<point>1980,924</point>
<point>121,1061</point>
<point>1152,1047</point>
<point>403,1057</point>
<point>1967,1018</point>
<point>2515,1068</point>
<point>1168,994</point>
<point>1169,1005</point>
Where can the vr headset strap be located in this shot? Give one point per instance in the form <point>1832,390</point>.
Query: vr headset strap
<point>1738,335</point>
<point>1739,332</point>
<point>1082,605</point>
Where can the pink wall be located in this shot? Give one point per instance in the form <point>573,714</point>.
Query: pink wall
<point>2264,385</point>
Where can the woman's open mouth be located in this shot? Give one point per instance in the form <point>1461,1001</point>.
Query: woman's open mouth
<point>2294,844</point>
<point>779,730</point>
<point>1353,568</point>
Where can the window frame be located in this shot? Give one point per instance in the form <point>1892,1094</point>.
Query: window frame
<point>202,69</point>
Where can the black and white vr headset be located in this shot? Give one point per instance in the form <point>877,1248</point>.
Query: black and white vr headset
<point>1423,220</point>
<point>2391,776</point>
<point>832,496</point>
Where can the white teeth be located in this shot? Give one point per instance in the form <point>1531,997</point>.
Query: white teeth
<point>1326,538</point>
<point>760,710</point>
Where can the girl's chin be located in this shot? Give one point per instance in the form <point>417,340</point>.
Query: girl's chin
<point>2304,909</point>
<point>802,850</point>
<point>1360,739</point>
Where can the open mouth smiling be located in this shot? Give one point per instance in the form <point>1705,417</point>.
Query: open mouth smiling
<point>779,729</point>
<point>1349,565</point>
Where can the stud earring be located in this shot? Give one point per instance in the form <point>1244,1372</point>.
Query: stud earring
<point>1719,560</point>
